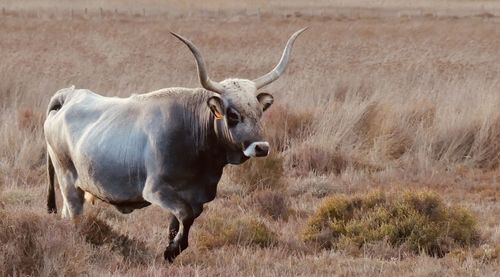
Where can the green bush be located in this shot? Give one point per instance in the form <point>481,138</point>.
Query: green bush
<point>419,220</point>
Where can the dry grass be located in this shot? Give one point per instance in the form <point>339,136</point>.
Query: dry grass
<point>372,99</point>
<point>285,126</point>
<point>272,203</point>
<point>255,174</point>
<point>219,229</point>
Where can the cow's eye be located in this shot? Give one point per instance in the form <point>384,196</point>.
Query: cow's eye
<point>233,117</point>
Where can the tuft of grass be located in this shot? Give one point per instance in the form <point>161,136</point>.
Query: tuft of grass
<point>259,174</point>
<point>305,159</point>
<point>22,253</point>
<point>389,138</point>
<point>321,160</point>
<point>34,244</point>
<point>284,124</point>
<point>419,220</point>
<point>40,245</point>
<point>97,232</point>
<point>487,253</point>
<point>15,196</point>
<point>29,119</point>
<point>271,203</point>
<point>218,230</point>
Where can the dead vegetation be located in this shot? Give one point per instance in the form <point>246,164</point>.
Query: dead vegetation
<point>381,100</point>
<point>97,232</point>
<point>218,229</point>
<point>271,203</point>
<point>285,125</point>
<point>259,174</point>
<point>36,245</point>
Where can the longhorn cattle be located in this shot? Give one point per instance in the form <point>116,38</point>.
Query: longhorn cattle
<point>166,147</point>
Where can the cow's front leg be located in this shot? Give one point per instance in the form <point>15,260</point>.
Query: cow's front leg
<point>163,195</point>
<point>173,228</point>
<point>175,248</point>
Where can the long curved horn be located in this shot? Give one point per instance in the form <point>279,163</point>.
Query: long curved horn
<point>202,69</point>
<point>278,70</point>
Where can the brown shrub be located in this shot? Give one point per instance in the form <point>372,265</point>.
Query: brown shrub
<point>487,253</point>
<point>29,119</point>
<point>22,252</point>
<point>217,230</point>
<point>486,149</point>
<point>34,244</point>
<point>379,128</point>
<point>370,122</point>
<point>96,231</point>
<point>396,143</point>
<point>16,197</point>
<point>456,145</point>
<point>307,158</point>
<point>259,173</point>
<point>99,233</point>
<point>40,245</point>
<point>271,203</point>
<point>476,143</point>
<point>423,114</point>
<point>284,124</point>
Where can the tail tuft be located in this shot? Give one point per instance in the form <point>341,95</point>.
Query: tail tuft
<point>51,194</point>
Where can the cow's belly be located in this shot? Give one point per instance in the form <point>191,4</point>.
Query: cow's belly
<point>109,179</point>
<point>111,188</point>
<point>110,165</point>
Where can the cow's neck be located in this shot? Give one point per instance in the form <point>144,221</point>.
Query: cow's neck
<point>208,143</point>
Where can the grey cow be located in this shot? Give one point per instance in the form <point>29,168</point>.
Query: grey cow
<point>166,147</point>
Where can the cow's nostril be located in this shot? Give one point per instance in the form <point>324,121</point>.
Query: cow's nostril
<point>257,149</point>
<point>261,150</point>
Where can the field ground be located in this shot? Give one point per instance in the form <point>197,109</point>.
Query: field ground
<point>392,97</point>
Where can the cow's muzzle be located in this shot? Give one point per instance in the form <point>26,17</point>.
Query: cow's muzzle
<point>257,149</point>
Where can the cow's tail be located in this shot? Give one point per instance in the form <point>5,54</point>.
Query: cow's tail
<point>56,103</point>
<point>51,194</point>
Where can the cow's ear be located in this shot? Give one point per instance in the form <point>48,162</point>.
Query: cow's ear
<point>266,100</point>
<point>216,106</point>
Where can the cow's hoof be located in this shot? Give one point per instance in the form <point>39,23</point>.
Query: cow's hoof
<point>170,253</point>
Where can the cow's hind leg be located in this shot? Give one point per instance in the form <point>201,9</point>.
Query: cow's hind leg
<point>73,197</point>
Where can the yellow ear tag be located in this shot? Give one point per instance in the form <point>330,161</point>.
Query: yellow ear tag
<point>218,115</point>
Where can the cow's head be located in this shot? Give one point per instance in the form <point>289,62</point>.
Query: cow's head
<point>238,108</point>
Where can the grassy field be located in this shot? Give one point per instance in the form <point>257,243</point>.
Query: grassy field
<point>391,97</point>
